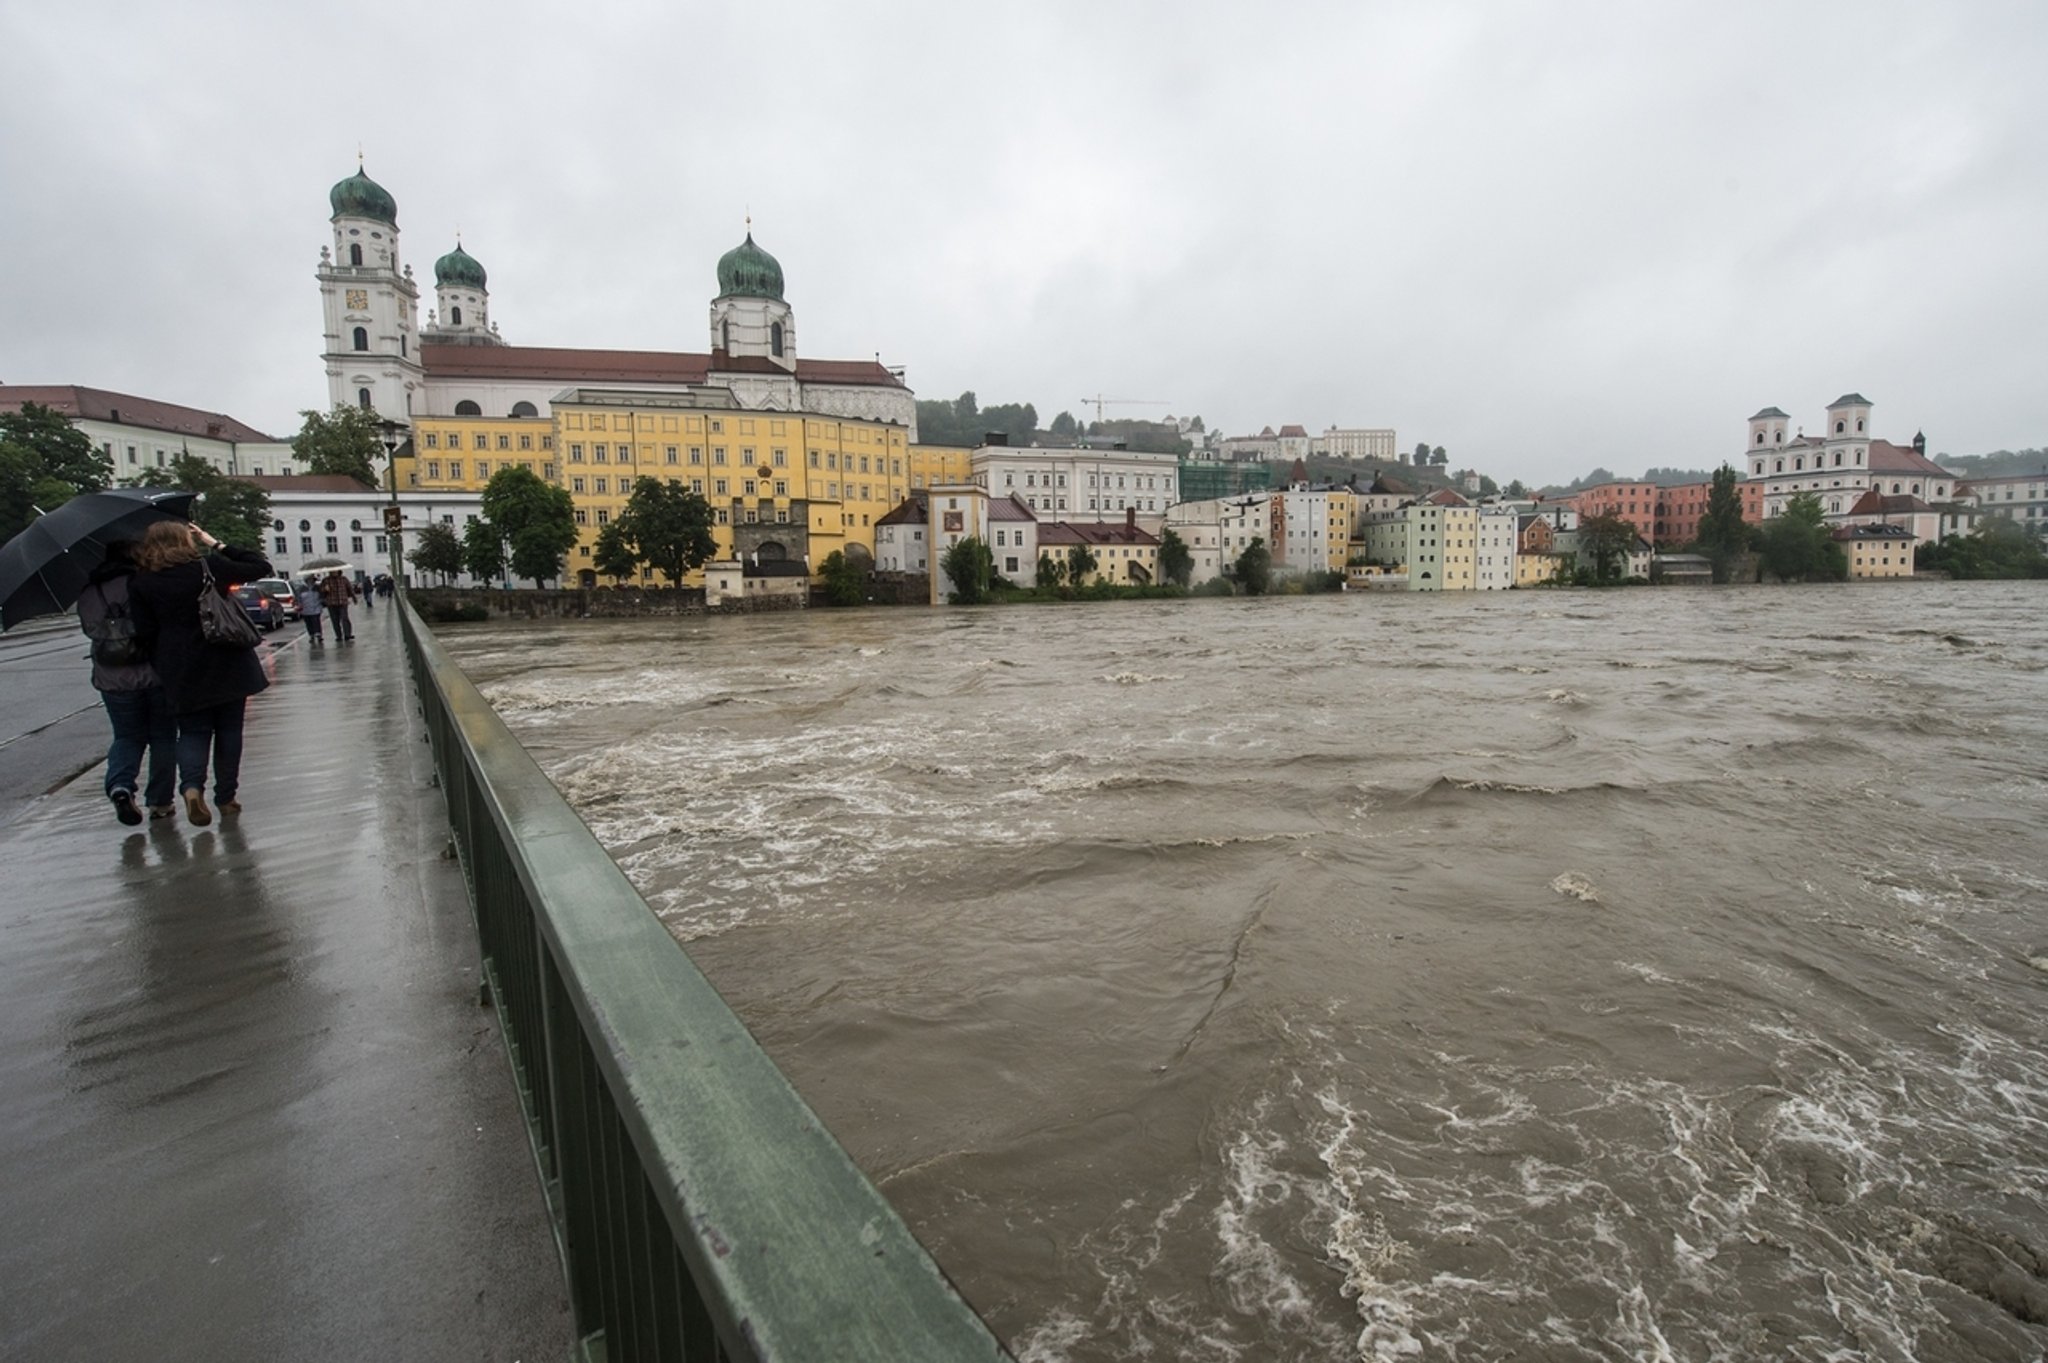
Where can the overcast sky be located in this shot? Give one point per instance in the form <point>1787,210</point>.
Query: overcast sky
<point>1543,235</point>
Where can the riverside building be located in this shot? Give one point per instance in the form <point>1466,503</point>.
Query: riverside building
<point>1839,465</point>
<point>798,457</point>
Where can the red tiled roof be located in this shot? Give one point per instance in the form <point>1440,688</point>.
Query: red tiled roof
<point>1292,430</point>
<point>1443,496</point>
<point>550,364</point>
<point>1875,503</point>
<point>98,404</point>
<point>1872,532</point>
<point>1090,532</point>
<point>1886,457</point>
<point>910,511</point>
<point>306,482</point>
<point>1009,509</point>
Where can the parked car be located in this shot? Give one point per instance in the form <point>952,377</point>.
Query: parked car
<point>282,590</point>
<point>264,610</point>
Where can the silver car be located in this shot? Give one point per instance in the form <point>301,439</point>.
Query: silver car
<point>281,591</point>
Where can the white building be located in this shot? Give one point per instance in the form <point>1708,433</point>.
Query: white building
<point>1358,442</point>
<point>140,434</point>
<point>2020,497</point>
<point>1499,537</point>
<point>1839,465</point>
<point>900,542</point>
<point>1080,485</point>
<point>316,516</point>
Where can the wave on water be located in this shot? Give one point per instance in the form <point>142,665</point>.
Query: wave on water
<point>1140,678</point>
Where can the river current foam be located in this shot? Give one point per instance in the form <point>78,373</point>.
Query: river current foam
<point>1645,975</point>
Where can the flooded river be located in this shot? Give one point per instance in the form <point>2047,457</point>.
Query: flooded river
<point>1559,976</point>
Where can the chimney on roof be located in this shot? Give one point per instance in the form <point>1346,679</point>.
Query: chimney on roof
<point>1130,518</point>
<point>1001,438</point>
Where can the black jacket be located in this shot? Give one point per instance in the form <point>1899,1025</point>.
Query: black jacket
<point>196,675</point>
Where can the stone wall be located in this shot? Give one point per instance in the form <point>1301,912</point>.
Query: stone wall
<point>574,603</point>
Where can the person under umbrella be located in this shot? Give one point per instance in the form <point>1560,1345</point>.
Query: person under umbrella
<point>137,708</point>
<point>208,685</point>
<point>46,566</point>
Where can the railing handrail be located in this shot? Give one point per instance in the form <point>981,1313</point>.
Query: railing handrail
<point>796,1253</point>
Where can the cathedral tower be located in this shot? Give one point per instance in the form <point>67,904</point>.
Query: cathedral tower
<point>749,316</point>
<point>370,303</point>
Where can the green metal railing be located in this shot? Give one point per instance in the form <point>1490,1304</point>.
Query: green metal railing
<point>702,1210</point>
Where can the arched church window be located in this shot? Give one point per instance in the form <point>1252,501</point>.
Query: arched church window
<point>1759,437</point>
<point>775,338</point>
<point>1838,428</point>
<point>725,335</point>
<point>355,253</point>
<point>468,408</point>
<point>454,316</point>
<point>362,338</point>
<point>524,409</point>
<point>363,398</point>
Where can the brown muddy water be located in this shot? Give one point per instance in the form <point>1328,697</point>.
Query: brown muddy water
<point>1626,975</point>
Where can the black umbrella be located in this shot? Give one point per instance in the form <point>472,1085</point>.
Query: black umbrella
<point>45,567</point>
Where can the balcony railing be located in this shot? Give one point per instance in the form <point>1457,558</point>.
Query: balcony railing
<point>701,1208</point>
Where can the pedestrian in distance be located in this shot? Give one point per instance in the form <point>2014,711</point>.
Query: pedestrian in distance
<point>368,590</point>
<point>207,684</point>
<point>337,591</point>
<point>137,708</point>
<point>312,610</point>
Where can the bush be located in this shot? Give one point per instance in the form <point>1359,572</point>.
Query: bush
<point>1215,586</point>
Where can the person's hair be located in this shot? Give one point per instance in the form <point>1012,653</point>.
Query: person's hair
<point>165,545</point>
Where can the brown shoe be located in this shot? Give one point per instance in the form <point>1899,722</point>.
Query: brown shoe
<point>195,808</point>
<point>229,806</point>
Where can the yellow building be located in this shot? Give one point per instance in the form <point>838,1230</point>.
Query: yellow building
<point>1877,551</point>
<point>1124,554</point>
<point>1343,517</point>
<point>461,453</point>
<point>931,465</point>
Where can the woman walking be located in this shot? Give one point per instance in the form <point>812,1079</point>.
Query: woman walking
<point>207,684</point>
<point>310,609</point>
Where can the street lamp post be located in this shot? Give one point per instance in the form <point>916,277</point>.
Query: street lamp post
<point>393,435</point>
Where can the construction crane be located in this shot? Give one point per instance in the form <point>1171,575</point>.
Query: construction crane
<point>1102,402</point>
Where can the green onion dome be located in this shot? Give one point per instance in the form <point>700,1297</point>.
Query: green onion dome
<point>361,197</point>
<point>748,270</point>
<point>459,267</point>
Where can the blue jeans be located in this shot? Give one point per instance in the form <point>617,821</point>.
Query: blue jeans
<point>218,729</point>
<point>142,722</point>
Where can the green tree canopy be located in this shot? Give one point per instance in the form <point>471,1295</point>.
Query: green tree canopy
<point>1254,568</point>
<point>437,550</point>
<point>612,555</point>
<point>1517,489</point>
<point>1051,572</point>
<point>1606,540</point>
<point>483,550</point>
<point>971,567</point>
<point>1081,561</point>
<point>45,461</point>
<point>1999,547</point>
<point>536,518</point>
<point>1723,534</point>
<point>667,527</point>
<point>1176,561</point>
<point>1065,425</point>
<point>346,441</point>
<point>230,509</point>
<point>845,583</point>
<point>1797,546</point>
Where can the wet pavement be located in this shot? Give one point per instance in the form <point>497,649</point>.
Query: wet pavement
<point>252,1107</point>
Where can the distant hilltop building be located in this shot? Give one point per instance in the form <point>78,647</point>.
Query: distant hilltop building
<point>1294,442</point>
<point>1842,463</point>
<point>798,457</point>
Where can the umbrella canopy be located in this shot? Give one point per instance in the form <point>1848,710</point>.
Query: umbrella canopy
<point>327,565</point>
<point>45,567</point>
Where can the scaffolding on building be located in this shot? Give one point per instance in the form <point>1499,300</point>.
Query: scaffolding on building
<point>1204,479</point>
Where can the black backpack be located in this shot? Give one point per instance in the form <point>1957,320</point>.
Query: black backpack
<point>113,637</point>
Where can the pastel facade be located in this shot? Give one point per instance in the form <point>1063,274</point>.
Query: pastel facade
<point>1876,551</point>
<point>1680,508</point>
<point>1081,484</point>
<point>2022,498</point>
